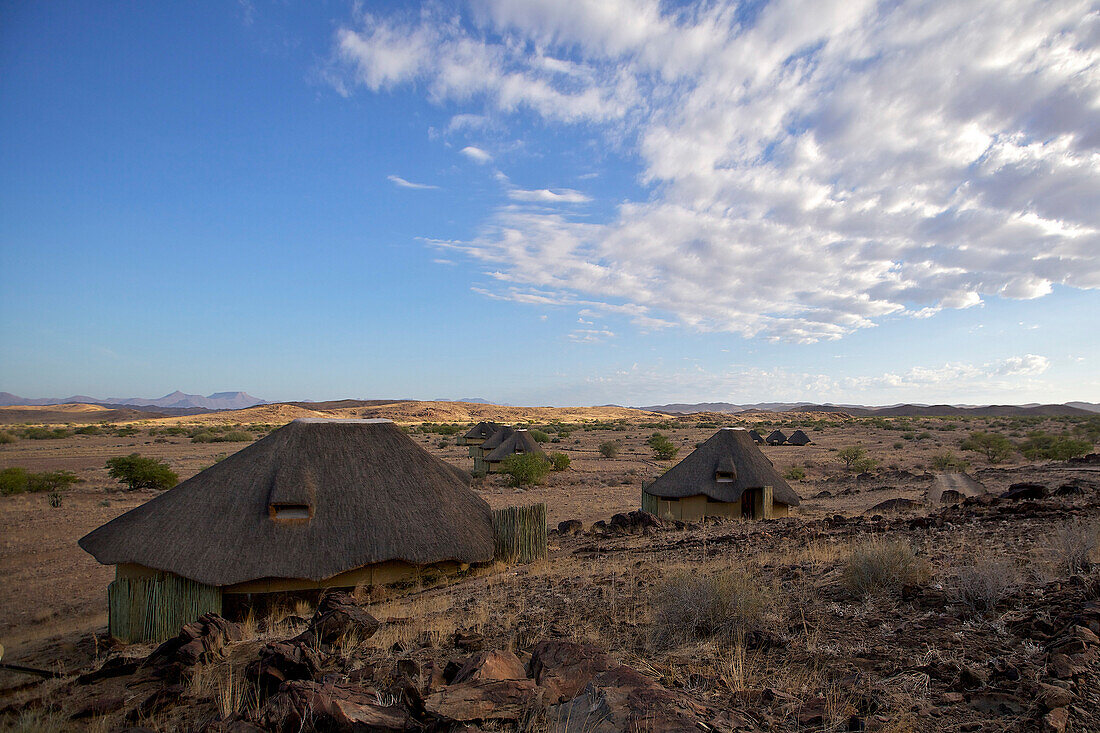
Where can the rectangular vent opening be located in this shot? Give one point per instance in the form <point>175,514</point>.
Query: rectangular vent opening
<point>291,511</point>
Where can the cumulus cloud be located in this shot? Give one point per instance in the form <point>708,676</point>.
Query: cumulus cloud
<point>813,167</point>
<point>590,335</point>
<point>402,183</point>
<point>476,154</point>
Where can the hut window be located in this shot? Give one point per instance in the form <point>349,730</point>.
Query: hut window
<point>723,477</point>
<point>290,511</point>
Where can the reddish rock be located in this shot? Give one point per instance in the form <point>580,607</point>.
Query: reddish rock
<point>492,665</point>
<point>1056,721</point>
<point>564,668</point>
<point>506,700</point>
<point>305,705</point>
<point>623,699</point>
<point>284,661</point>
<point>1053,696</point>
<point>199,641</point>
<point>338,616</point>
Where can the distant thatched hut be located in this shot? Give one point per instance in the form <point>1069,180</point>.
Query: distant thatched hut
<point>756,437</point>
<point>478,434</point>
<point>727,476</point>
<point>315,504</point>
<point>475,437</point>
<point>799,438</point>
<point>517,442</point>
<point>498,436</point>
<point>777,438</point>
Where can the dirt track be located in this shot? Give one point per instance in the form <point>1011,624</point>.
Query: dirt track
<point>959,482</point>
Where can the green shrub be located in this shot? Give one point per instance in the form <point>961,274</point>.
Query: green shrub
<point>126,432</point>
<point>141,473</point>
<point>443,443</point>
<point>663,448</point>
<point>538,436</point>
<point>236,436</point>
<point>899,445</point>
<point>526,469</point>
<point>204,436</point>
<point>559,461</point>
<point>795,473</point>
<point>948,461</point>
<point>7,438</point>
<point>863,465</point>
<point>994,446</point>
<point>89,430</point>
<point>882,567</point>
<point>46,433</point>
<point>850,455</point>
<point>13,480</point>
<point>609,448</point>
<point>52,481</point>
<point>1040,446</point>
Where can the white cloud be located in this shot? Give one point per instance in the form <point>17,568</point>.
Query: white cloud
<point>547,196</point>
<point>812,167</point>
<point>476,154</point>
<point>590,335</point>
<point>402,183</point>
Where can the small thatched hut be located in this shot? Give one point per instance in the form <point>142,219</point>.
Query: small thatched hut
<point>315,504</point>
<point>518,442</point>
<point>799,438</point>
<point>777,438</point>
<point>478,434</point>
<point>756,437</point>
<point>727,476</point>
<point>498,436</point>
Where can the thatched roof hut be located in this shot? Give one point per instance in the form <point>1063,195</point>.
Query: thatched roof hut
<point>799,438</point>
<point>777,438</point>
<point>518,441</point>
<point>479,433</point>
<point>725,476</point>
<point>756,437</point>
<point>312,500</point>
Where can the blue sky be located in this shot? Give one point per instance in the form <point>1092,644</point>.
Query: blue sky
<point>551,203</point>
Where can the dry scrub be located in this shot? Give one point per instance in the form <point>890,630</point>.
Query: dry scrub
<point>981,586</point>
<point>726,606</point>
<point>882,567</point>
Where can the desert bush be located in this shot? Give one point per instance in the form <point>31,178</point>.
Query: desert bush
<point>994,446</point>
<point>850,455</point>
<point>89,430</point>
<point>7,438</point>
<point>539,436</point>
<point>795,473</point>
<point>52,481</point>
<point>609,448</point>
<point>443,443</point>
<point>981,586</point>
<point>13,480</point>
<point>689,606</point>
<point>138,472</point>
<point>663,448</point>
<point>126,432</point>
<point>1072,548</point>
<point>236,436</point>
<point>948,461</point>
<point>882,568</point>
<point>559,461</point>
<point>862,465</point>
<point>39,433</point>
<point>1040,446</point>
<point>204,436</point>
<point>526,469</point>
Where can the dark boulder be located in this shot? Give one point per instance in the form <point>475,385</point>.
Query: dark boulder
<point>485,700</point>
<point>304,705</point>
<point>285,661</point>
<point>198,641</point>
<point>1025,490</point>
<point>950,496</point>
<point>895,505</point>
<point>337,616</point>
<point>570,527</point>
<point>565,667</point>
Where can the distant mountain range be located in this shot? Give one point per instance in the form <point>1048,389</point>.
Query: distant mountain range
<point>176,400</point>
<point>906,410</point>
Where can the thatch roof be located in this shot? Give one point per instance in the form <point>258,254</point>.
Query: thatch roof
<point>799,438</point>
<point>481,431</point>
<point>777,438</point>
<point>756,437</point>
<point>502,433</point>
<point>372,495</point>
<point>519,441</point>
<point>729,448</point>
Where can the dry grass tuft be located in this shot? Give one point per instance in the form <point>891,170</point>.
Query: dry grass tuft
<point>1072,548</point>
<point>728,605</point>
<point>882,568</point>
<point>981,586</point>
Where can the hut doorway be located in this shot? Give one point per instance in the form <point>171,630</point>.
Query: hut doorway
<point>750,500</point>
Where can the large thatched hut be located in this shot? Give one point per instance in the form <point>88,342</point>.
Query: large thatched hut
<point>517,442</point>
<point>727,476</point>
<point>799,438</point>
<point>776,438</point>
<point>315,504</point>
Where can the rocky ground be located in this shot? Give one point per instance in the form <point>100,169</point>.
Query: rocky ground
<point>980,615</point>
